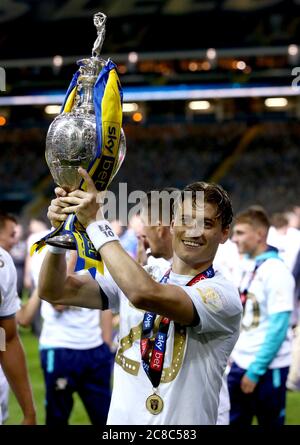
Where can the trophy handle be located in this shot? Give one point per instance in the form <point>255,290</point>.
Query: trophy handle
<point>64,237</point>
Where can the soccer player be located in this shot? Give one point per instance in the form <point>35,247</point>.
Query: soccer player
<point>169,367</point>
<point>12,356</point>
<point>262,355</point>
<point>158,237</point>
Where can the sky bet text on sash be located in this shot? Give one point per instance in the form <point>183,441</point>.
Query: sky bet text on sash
<point>152,434</point>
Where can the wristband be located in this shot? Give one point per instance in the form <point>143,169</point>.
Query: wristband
<point>56,250</point>
<point>100,233</point>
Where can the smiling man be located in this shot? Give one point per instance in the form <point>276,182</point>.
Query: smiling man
<point>175,334</point>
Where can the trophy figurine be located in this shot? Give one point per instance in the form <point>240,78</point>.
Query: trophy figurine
<point>87,133</point>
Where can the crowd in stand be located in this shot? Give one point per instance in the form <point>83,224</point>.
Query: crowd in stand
<point>177,154</point>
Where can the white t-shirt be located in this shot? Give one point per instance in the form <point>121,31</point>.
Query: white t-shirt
<point>4,394</point>
<point>224,400</point>
<point>9,304</point>
<point>195,358</point>
<point>9,300</point>
<point>73,328</point>
<point>271,291</point>
<point>227,260</point>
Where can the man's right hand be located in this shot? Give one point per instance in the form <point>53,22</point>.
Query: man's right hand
<point>56,213</point>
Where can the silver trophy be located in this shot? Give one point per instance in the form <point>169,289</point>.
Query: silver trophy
<point>71,140</point>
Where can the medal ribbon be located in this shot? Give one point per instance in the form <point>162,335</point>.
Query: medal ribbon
<point>153,351</point>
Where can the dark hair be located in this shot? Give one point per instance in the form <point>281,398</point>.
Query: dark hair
<point>6,217</point>
<point>213,194</point>
<point>255,216</point>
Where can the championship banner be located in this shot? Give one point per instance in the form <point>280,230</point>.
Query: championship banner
<point>108,98</point>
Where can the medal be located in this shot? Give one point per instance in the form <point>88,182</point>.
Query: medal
<point>154,404</point>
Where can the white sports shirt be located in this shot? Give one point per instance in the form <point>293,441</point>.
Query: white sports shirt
<point>271,291</point>
<point>224,399</point>
<point>73,328</point>
<point>288,244</point>
<point>9,300</point>
<point>9,304</point>
<point>195,358</point>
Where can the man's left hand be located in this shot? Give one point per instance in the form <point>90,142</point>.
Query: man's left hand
<point>247,385</point>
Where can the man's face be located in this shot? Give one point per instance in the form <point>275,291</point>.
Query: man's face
<point>246,238</point>
<point>8,236</point>
<point>197,234</point>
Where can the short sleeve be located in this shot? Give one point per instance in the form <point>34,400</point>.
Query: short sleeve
<point>9,300</point>
<point>218,306</point>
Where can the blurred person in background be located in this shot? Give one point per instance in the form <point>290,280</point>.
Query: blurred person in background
<point>37,228</point>
<point>155,240</point>
<point>75,353</point>
<point>18,253</point>
<point>293,217</point>
<point>12,357</point>
<point>227,260</point>
<point>117,227</point>
<point>262,354</point>
<point>129,240</point>
<point>284,237</point>
<point>293,381</point>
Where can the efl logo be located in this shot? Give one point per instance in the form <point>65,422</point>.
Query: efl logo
<point>2,79</point>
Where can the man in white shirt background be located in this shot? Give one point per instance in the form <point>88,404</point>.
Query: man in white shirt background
<point>262,354</point>
<point>12,357</point>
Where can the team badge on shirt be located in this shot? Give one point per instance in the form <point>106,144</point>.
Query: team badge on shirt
<point>211,299</point>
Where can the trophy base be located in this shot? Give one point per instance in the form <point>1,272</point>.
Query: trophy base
<point>66,241</point>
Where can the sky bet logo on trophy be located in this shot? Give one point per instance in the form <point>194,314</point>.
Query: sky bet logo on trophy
<point>88,133</point>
